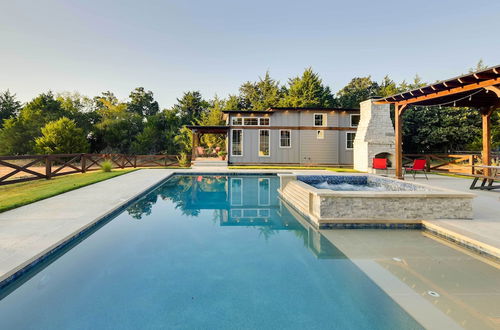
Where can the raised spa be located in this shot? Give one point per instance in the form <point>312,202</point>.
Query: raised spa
<point>330,199</point>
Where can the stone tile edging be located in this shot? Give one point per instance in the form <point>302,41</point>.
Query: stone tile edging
<point>483,249</point>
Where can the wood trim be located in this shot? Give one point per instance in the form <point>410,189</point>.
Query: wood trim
<point>297,128</point>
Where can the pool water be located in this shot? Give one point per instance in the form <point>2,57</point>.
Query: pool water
<point>347,187</point>
<point>203,252</point>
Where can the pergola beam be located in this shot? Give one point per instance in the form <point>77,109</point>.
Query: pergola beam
<point>494,89</point>
<point>451,91</point>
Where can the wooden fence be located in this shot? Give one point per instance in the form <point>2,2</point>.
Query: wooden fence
<point>450,163</point>
<point>15,169</point>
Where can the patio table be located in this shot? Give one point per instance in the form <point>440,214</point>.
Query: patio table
<point>487,180</point>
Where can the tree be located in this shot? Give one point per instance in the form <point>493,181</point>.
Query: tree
<point>234,102</point>
<point>81,109</point>
<point>416,83</point>
<point>307,91</point>
<point>9,106</point>
<point>61,136</point>
<point>357,90</point>
<point>388,87</point>
<point>262,94</point>
<point>213,118</point>
<point>184,140</point>
<point>143,103</point>
<point>442,130</point>
<point>190,107</point>
<point>117,127</point>
<point>156,136</point>
<point>479,66</point>
<point>19,133</point>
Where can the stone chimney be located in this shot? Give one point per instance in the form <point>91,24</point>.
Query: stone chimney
<point>374,137</point>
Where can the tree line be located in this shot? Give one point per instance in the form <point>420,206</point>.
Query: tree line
<point>73,123</point>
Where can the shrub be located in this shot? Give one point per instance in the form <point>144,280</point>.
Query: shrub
<point>61,136</point>
<point>106,166</point>
<point>184,160</point>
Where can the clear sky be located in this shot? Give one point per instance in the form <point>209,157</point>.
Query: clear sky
<point>213,46</point>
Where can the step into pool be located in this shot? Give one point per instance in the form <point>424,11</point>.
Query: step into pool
<point>205,252</point>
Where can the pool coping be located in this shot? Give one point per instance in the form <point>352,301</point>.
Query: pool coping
<point>462,240</point>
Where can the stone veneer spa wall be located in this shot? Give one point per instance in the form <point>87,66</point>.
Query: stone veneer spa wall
<point>396,200</point>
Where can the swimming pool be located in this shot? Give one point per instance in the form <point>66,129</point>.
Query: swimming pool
<point>212,252</point>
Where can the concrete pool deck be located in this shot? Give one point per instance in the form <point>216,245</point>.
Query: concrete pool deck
<point>31,231</point>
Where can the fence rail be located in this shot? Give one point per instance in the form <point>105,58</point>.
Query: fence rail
<point>14,169</point>
<point>450,163</point>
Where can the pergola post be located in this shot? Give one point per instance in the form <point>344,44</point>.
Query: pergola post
<point>196,143</point>
<point>486,153</point>
<point>398,118</point>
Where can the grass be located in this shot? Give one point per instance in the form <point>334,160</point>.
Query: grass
<point>333,169</point>
<point>19,194</point>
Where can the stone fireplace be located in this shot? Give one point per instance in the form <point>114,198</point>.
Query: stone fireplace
<point>374,136</point>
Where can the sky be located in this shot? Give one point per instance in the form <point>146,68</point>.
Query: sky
<point>170,47</point>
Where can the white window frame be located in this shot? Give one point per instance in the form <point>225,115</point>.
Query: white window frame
<point>350,119</point>
<point>287,130</point>
<point>346,133</point>
<point>237,129</point>
<point>241,191</point>
<point>251,118</point>
<point>269,142</point>
<point>268,118</point>
<point>322,134</point>
<point>325,119</point>
<point>259,192</point>
<point>233,118</point>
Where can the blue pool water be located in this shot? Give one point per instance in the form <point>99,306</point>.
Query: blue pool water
<point>203,253</point>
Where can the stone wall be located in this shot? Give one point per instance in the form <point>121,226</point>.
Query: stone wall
<point>398,207</point>
<point>375,134</point>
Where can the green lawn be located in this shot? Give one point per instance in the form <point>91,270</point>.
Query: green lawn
<point>19,194</point>
<point>333,169</point>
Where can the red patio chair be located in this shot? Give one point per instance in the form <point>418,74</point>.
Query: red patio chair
<point>200,151</point>
<point>418,166</point>
<point>380,164</point>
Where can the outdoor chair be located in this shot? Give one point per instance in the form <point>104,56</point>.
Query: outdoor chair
<point>380,164</point>
<point>200,151</point>
<point>419,165</point>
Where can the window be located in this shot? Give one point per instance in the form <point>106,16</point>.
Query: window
<point>349,140</point>
<point>285,138</point>
<point>251,121</point>
<point>238,121</point>
<point>320,134</point>
<point>264,121</point>
<point>263,143</point>
<point>263,191</point>
<point>355,120</point>
<point>236,191</point>
<point>236,142</point>
<point>320,119</point>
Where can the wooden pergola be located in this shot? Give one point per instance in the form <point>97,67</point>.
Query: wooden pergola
<point>480,90</point>
<point>198,132</point>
